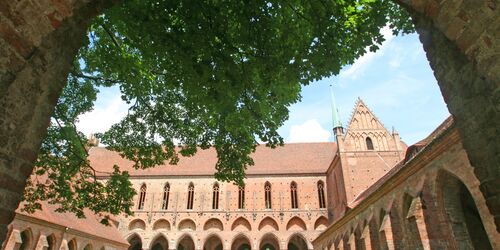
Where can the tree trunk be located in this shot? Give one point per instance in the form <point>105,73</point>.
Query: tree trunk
<point>29,92</point>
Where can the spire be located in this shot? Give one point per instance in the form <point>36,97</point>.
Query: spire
<point>335,112</point>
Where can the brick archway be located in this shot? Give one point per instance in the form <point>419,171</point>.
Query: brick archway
<point>458,37</point>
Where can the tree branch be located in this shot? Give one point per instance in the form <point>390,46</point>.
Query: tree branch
<point>96,78</point>
<point>111,36</point>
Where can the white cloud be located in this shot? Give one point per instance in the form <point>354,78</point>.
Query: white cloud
<point>102,117</point>
<point>362,63</point>
<point>309,131</point>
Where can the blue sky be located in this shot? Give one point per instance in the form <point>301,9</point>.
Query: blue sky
<point>395,82</point>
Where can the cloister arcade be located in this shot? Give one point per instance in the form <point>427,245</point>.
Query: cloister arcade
<point>430,202</point>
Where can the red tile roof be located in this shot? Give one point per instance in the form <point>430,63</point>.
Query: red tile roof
<point>293,158</point>
<point>90,225</point>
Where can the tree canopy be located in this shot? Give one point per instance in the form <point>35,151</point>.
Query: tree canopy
<point>196,74</point>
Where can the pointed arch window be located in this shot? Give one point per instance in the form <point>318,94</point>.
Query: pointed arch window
<point>321,194</point>
<point>142,197</point>
<point>166,196</point>
<point>190,198</point>
<point>267,190</point>
<point>215,196</point>
<point>293,194</point>
<point>369,143</point>
<point>241,197</point>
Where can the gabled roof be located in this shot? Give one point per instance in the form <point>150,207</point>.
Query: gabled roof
<point>357,106</point>
<point>292,158</point>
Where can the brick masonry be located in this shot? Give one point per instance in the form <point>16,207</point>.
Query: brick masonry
<point>39,39</point>
<point>420,206</point>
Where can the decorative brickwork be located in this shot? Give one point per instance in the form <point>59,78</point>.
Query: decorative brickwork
<point>429,202</point>
<point>39,39</point>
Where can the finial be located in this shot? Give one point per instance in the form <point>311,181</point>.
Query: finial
<point>335,112</point>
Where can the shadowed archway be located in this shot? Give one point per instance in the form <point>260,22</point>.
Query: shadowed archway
<point>135,242</point>
<point>213,242</point>
<point>241,242</point>
<point>160,242</point>
<point>297,242</point>
<point>461,213</point>
<point>186,243</point>
<point>269,242</point>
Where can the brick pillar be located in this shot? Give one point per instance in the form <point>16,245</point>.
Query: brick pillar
<point>352,241</point>
<point>417,214</point>
<point>42,243</point>
<point>33,69</point>
<point>387,237</point>
<point>365,237</point>
<point>340,245</point>
<point>461,40</point>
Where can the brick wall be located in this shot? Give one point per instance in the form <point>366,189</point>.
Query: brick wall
<point>462,42</point>
<point>416,208</point>
<point>40,38</point>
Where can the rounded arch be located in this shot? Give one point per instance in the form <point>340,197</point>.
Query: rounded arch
<point>269,241</point>
<point>88,247</point>
<point>159,242</point>
<point>137,224</point>
<point>268,224</point>
<point>241,242</point>
<point>460,210</point>
<point>321,223</point>
<point>72,245</point>
<point>187,225</point>
<point>241,224</point>
<point>161,224</point>
<point>135,242</point>
<point>185,242</point>
<point>213,225</point>
<point>297,241</point>
<point>26,239</point>
<point>296,224</point>
<point>212,242</point>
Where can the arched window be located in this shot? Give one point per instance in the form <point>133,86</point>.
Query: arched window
<point>293,194</point>
<point>142,197</point>
<point>267,190</point>
<point>26,240</point>
<point>166,196</point>
<point>190,196</point>
<point>215,196</point>
<point>321,195</point>
<point>369,143</point>
<point>51,242</point>
<point>241,197</point>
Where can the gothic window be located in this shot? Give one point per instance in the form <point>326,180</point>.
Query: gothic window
<point>369,143</point>
<point>215,197</point>
<point>166,196</point>
<point>142,197</point>
<point>267,190</point>
<point>190,196</point>
<point>321,194</point>
<point>241,197</point>
<point>293,193</point>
